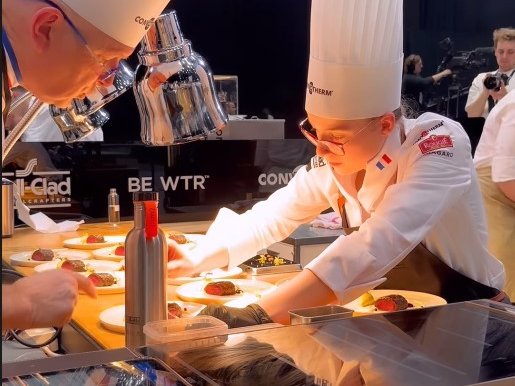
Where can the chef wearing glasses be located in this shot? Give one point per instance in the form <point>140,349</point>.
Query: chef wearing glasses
<point>409,185</point>
<point>60,50</point>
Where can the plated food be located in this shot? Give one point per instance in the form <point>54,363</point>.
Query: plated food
<point>216,293</point>
<point>116,253</point>
<point>40,256</point>
<point>186,241</point>
<point>378,301</point>
<point>114,318</point>
<point>266,260</point>
<point>214,274</point>
<point>94,241</point>
<point>81,265</point>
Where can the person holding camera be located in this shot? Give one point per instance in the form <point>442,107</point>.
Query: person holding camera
<point>414,85</point>
<point>495,164</point>
<point>490,87</point>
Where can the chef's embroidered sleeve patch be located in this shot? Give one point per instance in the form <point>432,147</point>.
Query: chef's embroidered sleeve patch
<point>435,143</point>
<point>316,162</point>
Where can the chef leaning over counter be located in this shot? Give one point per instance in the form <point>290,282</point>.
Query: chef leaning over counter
<point>408,184</point>
<point>72,47</point>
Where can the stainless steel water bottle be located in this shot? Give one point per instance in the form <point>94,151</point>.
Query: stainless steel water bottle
<point>145,269</point>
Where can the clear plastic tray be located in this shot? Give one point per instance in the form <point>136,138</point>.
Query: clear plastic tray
<point>180,329</point>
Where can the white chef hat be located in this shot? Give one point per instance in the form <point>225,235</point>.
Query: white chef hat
<point>355,62</point>
<point>126,21</point>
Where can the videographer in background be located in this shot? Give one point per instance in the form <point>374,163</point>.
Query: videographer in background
<point>489,87</point>
<point>414,85</point>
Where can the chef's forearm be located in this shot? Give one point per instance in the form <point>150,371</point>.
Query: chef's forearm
<point>508,189</point>
<point>14,309</point>
<point>476,105</point>
<point>303,291</point>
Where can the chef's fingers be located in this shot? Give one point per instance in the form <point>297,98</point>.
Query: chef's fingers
<point>174,252</point>
<point>85,285</point>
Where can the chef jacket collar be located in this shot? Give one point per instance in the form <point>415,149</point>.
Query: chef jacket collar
<point>381,171</point>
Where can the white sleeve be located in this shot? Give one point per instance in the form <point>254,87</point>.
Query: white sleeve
<point>503,161</point>
<point>273,220</point>
<point>428,185</point>
<point>477,99</point>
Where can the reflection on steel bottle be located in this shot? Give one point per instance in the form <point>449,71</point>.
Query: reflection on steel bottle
<point>145,269</point>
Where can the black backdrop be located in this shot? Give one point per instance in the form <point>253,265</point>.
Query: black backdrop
<point>265,43</point>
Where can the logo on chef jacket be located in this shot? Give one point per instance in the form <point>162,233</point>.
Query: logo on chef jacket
<point>312,89</point>
<point>51,189</point>
<point>273,179</point>
<point>426,132</point>
<point>144,22</point>
<point>434,143</point>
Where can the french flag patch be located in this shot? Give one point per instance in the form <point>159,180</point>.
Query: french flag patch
<point>385,160</point>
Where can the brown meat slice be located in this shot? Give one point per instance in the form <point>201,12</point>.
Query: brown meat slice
<point>74,265</point>
<point>221,288</point>
<point>174,311</point>
<point>102,279</point>
<point>391,302</point>
<point>178,238</point>
<point>43,255</point>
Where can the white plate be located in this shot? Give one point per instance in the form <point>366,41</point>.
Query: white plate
<point>114,318</point>
<point>116,288</point>
<point>418,299</point>
<point>194,292</point>
<point>80,242</point>
<point>91,265</point>
<point>192,238</point>
<point>107,254</point>
<point>215,274</point>
<point>24,258</point>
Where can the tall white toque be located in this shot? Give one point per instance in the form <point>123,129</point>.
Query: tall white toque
<point>126,21</point>
<point>355,60</point>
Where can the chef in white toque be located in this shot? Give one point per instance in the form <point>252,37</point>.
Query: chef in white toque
<point>409,185</point>
<point>60,50</point>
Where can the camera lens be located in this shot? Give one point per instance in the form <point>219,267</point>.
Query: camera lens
<point>492,82</point>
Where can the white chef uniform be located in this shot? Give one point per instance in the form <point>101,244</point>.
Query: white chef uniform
<point>477,88</point>
<point>495,162</point>
<point>355,72</point>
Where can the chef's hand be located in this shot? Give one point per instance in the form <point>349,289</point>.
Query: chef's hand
<point>204,257</point>
<point>44,299</point>
<point>238,317</point>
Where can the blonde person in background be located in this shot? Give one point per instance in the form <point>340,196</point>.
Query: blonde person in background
<point>480,99</point>
<point>60,50</point>
<point>495,164</point>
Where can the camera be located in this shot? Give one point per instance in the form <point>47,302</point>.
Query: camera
<point>494,82</point>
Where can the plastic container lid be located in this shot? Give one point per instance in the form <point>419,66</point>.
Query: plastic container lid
<point>174,330</point>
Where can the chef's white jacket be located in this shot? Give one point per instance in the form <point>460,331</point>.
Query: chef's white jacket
<point>427,192</point>
<point>496,147</point>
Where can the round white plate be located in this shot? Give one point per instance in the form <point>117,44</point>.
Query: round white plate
<point>80,242</point>
<point>418,299</point>
<point>91,265</point>
<point>107,254</point>
<point>116,288</point>
<point>24,258</point>
<point>192,238</point>
<point>194,292</point>
<point>215,274</point>
<point>113,318</point>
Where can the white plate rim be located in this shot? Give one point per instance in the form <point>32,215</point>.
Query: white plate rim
<point>182,291</point>
<point>107,253</point>
<point>75,242</point>
<point>413,297</point>
<point>118,324</point>
<point>115,266</point>
<point>22,259</point>
<point>233,272</point>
